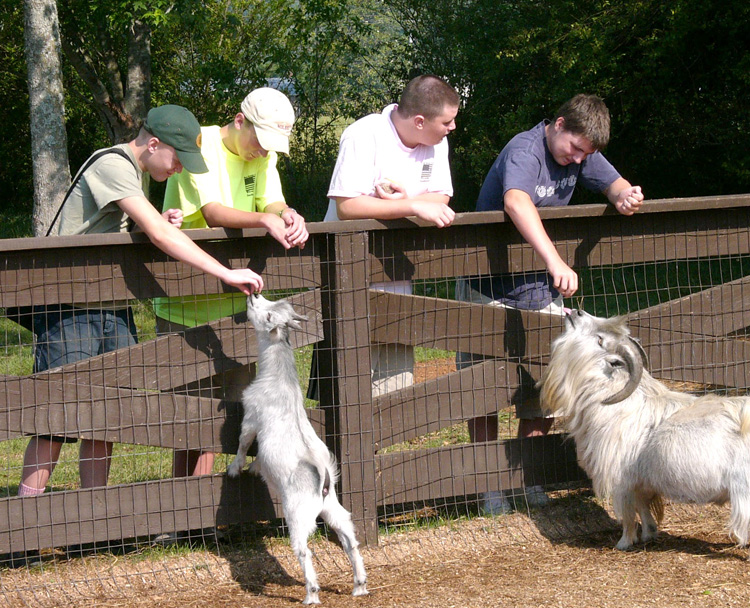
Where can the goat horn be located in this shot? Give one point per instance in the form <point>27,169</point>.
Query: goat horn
<point>634,357</point>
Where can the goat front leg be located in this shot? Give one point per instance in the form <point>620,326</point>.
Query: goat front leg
<point>246,440</point>
<point>625,506</point>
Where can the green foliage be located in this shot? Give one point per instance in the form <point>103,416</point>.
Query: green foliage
<point>675,76</point>
<point>15,136</point>
<point>327,55</point>
<point>208,56</point>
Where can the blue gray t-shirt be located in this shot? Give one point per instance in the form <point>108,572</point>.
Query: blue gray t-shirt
<point>526,164</point>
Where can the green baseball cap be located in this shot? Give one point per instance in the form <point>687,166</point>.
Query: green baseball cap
<point>177,127</point>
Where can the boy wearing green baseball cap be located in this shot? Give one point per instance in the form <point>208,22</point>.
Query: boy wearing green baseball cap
<point>108,196</point>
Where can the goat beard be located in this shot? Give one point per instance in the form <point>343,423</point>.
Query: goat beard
<point>573,391</point>
<point>568,381</point>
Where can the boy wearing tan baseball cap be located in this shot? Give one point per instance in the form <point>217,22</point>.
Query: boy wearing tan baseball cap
<point>273,117</point>
<point>241,189</point>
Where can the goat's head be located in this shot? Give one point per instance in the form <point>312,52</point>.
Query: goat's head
<point>591,355</point>
<point>272,318</point>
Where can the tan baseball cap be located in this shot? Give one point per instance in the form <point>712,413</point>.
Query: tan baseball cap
<point>272,114</point>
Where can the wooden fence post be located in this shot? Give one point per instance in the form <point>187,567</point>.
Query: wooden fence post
<point>345,375</point>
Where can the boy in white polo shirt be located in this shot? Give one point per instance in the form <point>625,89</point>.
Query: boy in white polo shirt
<point>393,165</point>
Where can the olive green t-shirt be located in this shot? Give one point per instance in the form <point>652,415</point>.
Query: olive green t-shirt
<point>92,206</point>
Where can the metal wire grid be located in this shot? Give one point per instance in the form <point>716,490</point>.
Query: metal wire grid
<point>606,289</point>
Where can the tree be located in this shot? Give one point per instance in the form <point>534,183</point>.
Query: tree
<point>49,146</point>
<point>109,45</point>
<point>343,62</point>
<point>674,75</point>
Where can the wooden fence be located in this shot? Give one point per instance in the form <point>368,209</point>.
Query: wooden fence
<point>694,334</point>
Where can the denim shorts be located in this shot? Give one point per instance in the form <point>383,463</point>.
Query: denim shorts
<point>67,335</point>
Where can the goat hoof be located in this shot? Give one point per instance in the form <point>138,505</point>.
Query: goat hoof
<point>360,590</point>
<point>624,545</point>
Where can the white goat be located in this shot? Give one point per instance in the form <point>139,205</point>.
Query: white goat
<point>291,457</point>
<point>637,440</point>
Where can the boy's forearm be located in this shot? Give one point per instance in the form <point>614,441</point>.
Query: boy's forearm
<point>372,207</point>
<point>526,219</point>
<point>218,215</point>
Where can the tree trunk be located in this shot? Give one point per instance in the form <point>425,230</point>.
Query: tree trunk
<point>121,98</point>
<point>49,142</point>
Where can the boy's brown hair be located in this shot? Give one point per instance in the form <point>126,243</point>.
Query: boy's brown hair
<point>588,116</point>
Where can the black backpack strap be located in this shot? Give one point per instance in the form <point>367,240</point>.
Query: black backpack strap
<point>81,171</point>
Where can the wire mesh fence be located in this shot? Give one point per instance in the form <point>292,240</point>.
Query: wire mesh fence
<point>416,366</point>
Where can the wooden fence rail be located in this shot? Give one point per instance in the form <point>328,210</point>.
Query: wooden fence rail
<point>128,396</point>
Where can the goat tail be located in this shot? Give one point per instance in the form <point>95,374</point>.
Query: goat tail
<point>331,475</point>
<point>656,506</point>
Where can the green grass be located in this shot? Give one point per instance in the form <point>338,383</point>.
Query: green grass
<point>432,354</point>
<point>130,463</point>
<point>612,290</point>
<point>16,356</point>
<point>15,224</point>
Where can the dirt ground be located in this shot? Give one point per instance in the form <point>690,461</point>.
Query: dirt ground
<point>588,575</point>
<point>479,563</point>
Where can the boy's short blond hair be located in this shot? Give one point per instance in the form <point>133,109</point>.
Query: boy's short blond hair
<point>427,95</point>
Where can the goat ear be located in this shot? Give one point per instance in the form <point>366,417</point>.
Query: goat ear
<point>295,321</point>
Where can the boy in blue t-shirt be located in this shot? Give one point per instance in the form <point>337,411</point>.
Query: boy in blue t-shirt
<point>541,168</point>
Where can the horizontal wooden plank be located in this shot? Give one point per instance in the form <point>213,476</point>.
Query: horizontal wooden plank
<point>717,311</point>
<point>59,519</point>
<point>81,274</point>
<point>654,206</point>
<point>454,325</point>
<point>719,362</point>
<point>68,408</point>
<point>461,470</point>
<point>106,267</point>
<point>582,240</point>
<point>71,409</point>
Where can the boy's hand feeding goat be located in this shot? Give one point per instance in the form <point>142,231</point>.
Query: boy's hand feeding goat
<point>291,457</point>
<point>637,440</point>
